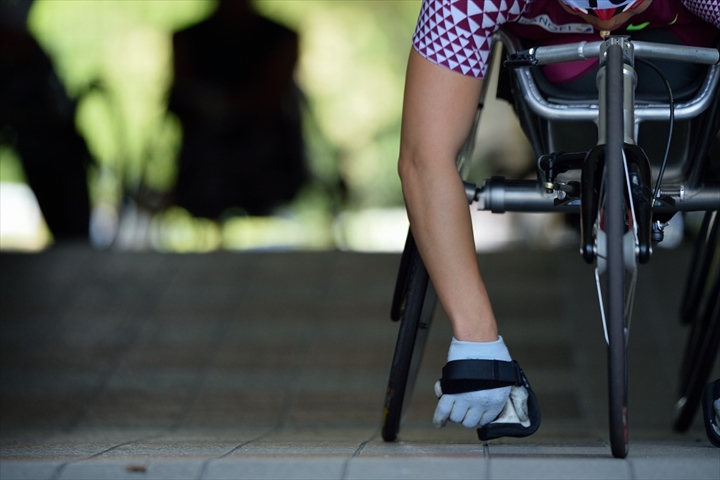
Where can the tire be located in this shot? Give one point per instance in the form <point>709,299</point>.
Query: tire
<point>403,276</point>
<point>699,269</point>
<point>615,207</point>
<point>703,316</point>
<point>415,308</point>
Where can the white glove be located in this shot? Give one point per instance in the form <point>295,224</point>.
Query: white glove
<point>516,408</point>
<point>474,409</point>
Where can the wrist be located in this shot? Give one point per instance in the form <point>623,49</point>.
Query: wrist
<point>477,334</point>
<point>465,350</point>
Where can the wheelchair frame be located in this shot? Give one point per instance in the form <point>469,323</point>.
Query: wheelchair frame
<point>623,241</point>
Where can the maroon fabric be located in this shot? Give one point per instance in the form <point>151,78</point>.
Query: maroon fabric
<point>457,33</point>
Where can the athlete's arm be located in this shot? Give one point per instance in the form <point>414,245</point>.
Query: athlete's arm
<point>438,113</point>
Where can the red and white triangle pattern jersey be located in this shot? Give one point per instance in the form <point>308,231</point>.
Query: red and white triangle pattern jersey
<point>708,10</point>
<point>457,33</point>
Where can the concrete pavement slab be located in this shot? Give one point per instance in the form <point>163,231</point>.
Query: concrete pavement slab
<point>418,468</point>
<point>558,468</point>
<point>293,468</point>
<point>160,469</point>
<point>29,470</point>
<point>274,365</point>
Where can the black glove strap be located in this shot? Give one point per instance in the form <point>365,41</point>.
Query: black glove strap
<point>460,376</point>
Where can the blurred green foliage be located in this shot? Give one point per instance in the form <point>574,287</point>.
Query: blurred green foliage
<point>11,170</point>
<point>352,68</point>
<point>115,57</point>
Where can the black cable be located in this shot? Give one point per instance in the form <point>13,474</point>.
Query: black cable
<point>670,127</point>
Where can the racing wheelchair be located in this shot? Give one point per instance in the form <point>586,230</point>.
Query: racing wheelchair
<point>596,158</point>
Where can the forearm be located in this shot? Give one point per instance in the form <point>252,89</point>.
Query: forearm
<point>437,117</point>
<point>440,221</point>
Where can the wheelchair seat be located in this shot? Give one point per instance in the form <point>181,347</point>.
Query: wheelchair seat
<point>563,118</point>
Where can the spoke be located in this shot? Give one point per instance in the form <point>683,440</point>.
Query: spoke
<point>629,302</point>
<point>632,204</point>
<point>631,249</point>
<point>630,284</point>
<point>631,274</point>
<point>598,283</point>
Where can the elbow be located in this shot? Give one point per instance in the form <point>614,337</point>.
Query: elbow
<point>403,167</point>
<point>408,169</point>
<point>412,162</point>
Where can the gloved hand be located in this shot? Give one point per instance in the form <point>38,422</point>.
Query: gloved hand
<point>516,408</point>
<point>478,408</point>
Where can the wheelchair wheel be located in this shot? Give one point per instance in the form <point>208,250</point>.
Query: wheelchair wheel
<point>702,313</point>
<point>414,305</point>
<point>616,220</point>
<point>699,268</point>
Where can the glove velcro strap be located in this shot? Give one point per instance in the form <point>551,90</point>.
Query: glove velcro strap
<point>460,376</point>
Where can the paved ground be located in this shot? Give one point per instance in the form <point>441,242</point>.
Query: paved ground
<point>273,365</point>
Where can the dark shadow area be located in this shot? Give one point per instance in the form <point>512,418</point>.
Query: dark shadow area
<point>37,119</point>
<point>233,365</point>
<point>239,107</point>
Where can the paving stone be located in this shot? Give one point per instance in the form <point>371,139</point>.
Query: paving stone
<point>28,470</point>
<point>294,468</point>
<point>132,469</point>
<point>558,467</point>
<point>677,467</point>
<point>417,468</point>
<point>274,365</point>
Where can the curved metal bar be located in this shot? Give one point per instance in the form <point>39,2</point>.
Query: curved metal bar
<point>552,111</point>
<point>690,109</point>
<point>567,53</point>
<point>589,111</point>
<point>678,53</point>
<point>583,50</point>
<point>558,111</point>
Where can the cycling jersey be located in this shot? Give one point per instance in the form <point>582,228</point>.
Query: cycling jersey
<point>457,33</point>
